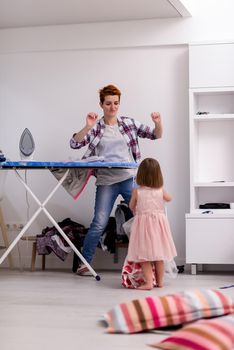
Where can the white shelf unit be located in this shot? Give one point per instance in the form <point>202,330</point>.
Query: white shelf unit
<point>211,146</point>
<point>209,232</point>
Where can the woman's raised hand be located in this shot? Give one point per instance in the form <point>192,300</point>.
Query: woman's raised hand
<point>156,117</point>
<point>91,119</point>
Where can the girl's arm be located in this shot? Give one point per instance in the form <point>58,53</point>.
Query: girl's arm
<point>133,201</point>
<point>166,196</point>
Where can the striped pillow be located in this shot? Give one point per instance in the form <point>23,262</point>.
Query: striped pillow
<point>215,334</point>
<point>170,310</point>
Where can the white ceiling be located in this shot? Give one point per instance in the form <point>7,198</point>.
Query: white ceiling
<point>25,13</point>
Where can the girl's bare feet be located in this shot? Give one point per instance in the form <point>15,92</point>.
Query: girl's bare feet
<point>145,286</point>
<point>159,273</point>
<point>148,276</point>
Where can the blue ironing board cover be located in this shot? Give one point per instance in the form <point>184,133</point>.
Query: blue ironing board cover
<point>69,164</point>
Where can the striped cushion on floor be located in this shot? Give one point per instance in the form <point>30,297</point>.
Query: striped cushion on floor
<point>170,310</point>
<point>214,334</point>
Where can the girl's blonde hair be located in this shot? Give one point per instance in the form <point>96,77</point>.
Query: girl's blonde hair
<point>149,174</point>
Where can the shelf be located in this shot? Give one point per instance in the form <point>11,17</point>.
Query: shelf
<point>212,90</point>
<point>213,213</point>
<point>213,117</point>
<point>212,146</point>
<point>214,184</point>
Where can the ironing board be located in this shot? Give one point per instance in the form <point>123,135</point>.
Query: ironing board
<point>24,165</point>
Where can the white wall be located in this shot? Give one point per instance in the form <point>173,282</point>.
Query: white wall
<point>51,92</point>
<point>49,80</point>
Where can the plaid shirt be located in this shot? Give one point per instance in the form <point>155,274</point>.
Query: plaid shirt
<point>129,128</point>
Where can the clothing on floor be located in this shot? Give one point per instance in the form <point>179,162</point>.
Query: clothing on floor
<point>74,231</point>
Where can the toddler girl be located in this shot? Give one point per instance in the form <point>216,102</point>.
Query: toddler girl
<point>151,241</point>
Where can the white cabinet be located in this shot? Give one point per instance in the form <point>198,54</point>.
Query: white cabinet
<point>210,240</point>
<point>210,232</point>
<point>211,65</point>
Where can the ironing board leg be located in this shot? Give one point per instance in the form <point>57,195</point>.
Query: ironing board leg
<point>42,208</point>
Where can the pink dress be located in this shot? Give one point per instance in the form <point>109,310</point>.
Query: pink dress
<point>151,237</point>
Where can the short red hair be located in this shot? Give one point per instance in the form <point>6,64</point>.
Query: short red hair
<point>109,90</point>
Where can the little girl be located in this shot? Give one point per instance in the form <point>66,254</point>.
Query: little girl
<point>150,241</point>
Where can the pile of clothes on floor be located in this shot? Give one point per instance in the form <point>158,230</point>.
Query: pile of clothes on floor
<point>50,240</point>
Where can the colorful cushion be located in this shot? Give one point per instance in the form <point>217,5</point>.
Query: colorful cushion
<point>170,310</point>
<point>214,334</point>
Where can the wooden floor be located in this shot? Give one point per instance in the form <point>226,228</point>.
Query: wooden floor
<point>58,310</point>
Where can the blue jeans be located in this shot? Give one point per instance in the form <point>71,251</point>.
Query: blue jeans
<point>105,198</point>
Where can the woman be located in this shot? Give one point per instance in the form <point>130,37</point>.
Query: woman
<point>116,139</point>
